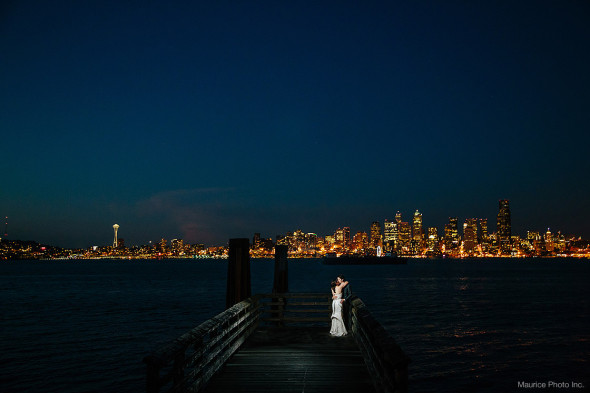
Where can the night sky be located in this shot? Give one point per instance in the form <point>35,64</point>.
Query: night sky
<point>212,120</point>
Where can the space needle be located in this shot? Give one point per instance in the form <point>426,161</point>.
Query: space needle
<point>115,242</point>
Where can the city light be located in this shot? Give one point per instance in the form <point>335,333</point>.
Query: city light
<point>394,238</point>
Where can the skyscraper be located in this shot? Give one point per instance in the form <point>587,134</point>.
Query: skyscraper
<point>418,234</point>
<point>360,241</point>
<point>404,237</point>
<point>432,238</point>
<point>504,227</point>
<point>389,234</point>
<point>483,230</point>
<point>548,240</point>
<point>482,235</point>
<point>256,241</point>
<point>376,238</point>
<point>452,233</point>
<point>342,237</point>
<point>470,235</point>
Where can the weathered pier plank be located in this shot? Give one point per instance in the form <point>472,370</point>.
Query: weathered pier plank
<point>294,359</point>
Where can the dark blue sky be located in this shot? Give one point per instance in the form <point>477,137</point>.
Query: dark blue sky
<point>212,121</point>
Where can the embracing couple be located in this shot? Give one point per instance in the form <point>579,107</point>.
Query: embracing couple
<point>340,294</point>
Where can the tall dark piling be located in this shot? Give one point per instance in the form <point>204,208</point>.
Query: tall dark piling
<point>281,281</point>
<point>281,284</point>
<point>238,272</point>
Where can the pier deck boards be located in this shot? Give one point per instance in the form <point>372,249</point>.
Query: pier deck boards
<point>294,359</point>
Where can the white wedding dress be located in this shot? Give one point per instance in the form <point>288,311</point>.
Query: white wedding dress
<point>337,328</point>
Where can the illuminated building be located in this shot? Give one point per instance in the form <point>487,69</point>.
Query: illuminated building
<point>177,246</point>
<point>287,240</point>
<point>418,234</point>
<point>452,233</point>
<point>346,237</point>
<point>360,241</point>
<point>256,241</point>
<point>398,217</point>
<point>482,235</point>
<point>311,240</point>
<point>504,227</point>
<point>548,241</point>
<point>342,237</point>
<point>163,245</point>
<point>299,239</point>
<point>560,242</point>
<point>404,236</point>
<point>376,238</point>
<point>281,240</point>
<point>389,235</point>
<point>483,230</point>
<point>470,235</point>
<point>432,238</point>
<point>389,231</point>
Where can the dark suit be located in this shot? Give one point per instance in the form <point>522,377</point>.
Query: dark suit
<point>346,295</point>
<point>346,292</point>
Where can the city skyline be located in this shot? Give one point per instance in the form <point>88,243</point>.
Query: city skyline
<point>417,231</point>
<point>395,238</point>
<point>210,121</point>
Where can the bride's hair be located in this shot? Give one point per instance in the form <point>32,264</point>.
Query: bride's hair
<point>333,284</point>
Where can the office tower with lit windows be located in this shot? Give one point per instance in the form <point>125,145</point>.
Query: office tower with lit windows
<point>470,235</point>
<point>289,240</point>
<point>483,236</point>
<point>398,217</point>
<point>418,233</point>
<point>342,237</point>
<point>299,239</point>
<point>347,239</point>
<point>376,237</point>
<point>452,233</point>
<point>256,241</point>
<point>504,227</point>
<point>389,235</point>
<point>483,230</point>
<point>360,241</point>
<point>447,236</point>
<point>548,240</point>
<point>432,238</point>
<point>404,237</point>
<point>339,237</point>
<point>177,246</point>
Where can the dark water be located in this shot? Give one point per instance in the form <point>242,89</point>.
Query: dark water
<point>84,326</point>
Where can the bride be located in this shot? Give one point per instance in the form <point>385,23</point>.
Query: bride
<point>337,328</point>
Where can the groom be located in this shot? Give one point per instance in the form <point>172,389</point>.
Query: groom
<point>346,295</point>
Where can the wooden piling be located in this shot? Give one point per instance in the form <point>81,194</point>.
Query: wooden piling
<point>238,272</point>
<point>281,279</point>
<point>280,284</point>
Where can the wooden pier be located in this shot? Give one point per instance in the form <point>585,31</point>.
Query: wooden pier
<point>280,342</point>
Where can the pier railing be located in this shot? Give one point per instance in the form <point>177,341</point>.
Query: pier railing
<point>295,309</point>
<point>385,360</point>
<point>189,362</point>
